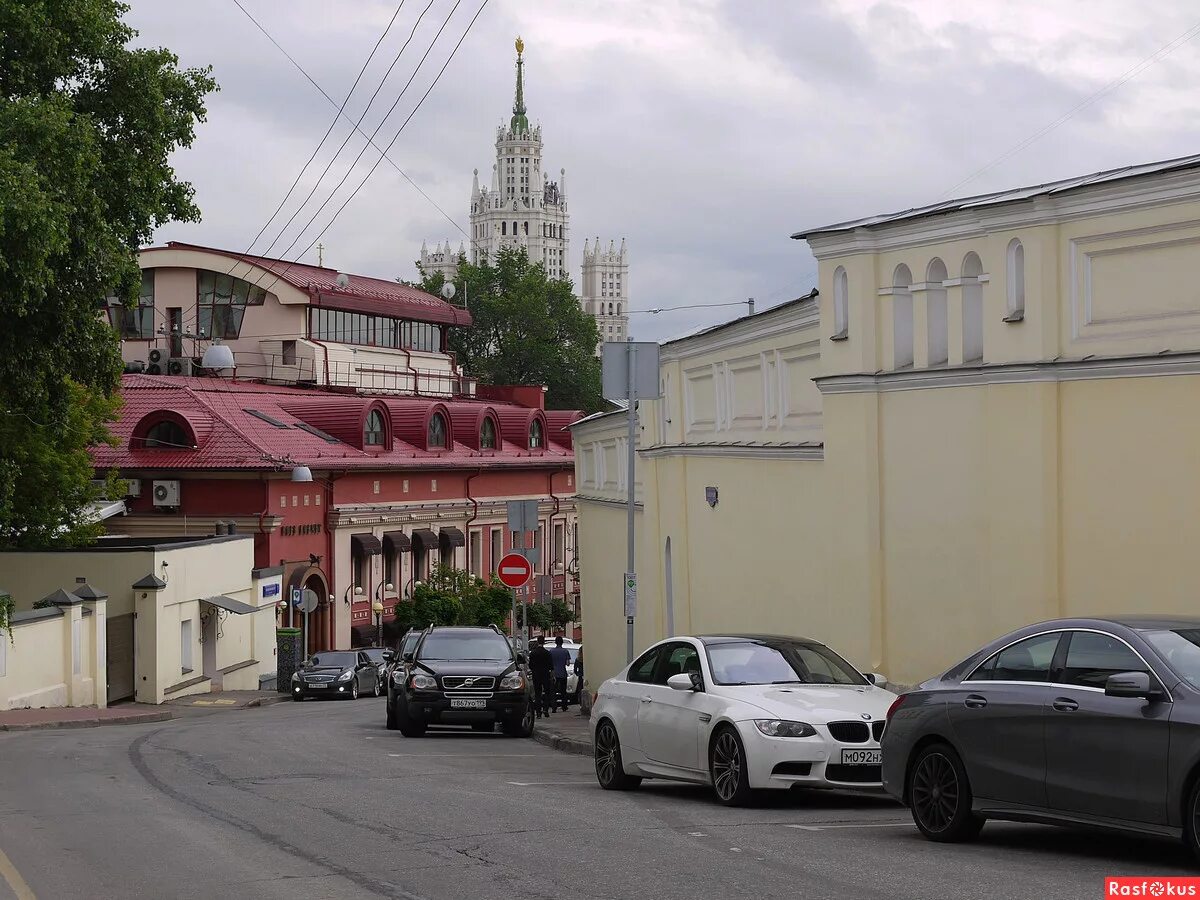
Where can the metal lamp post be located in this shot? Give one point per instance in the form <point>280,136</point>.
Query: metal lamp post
<point>377,608</point>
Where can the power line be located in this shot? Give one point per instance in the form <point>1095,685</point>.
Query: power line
<point>1162,53</point>
<point>378,128</point>
<point>396,137</point>
<point>329,130</point>
<point>357,124</point>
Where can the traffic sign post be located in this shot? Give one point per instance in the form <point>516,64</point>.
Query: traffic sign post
<point>514,570</point>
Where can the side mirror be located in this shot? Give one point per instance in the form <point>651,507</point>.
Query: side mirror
<point>877,678</point>
<point>520,659</point>
<point>388,655</point>
<point>681,682</point>
<point>1128,684</point>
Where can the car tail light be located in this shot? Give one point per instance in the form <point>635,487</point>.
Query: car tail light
<point>896,704</point>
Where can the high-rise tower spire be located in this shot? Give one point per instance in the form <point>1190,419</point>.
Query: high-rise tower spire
<point>520,122</point>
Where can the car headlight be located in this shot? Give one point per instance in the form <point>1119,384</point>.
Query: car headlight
<point>346,676</point>
<point>781,728</point>
<point>424,682</point>
<point>397,676</point>
<point>512,682</point>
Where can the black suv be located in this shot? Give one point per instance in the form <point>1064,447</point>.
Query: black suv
<point>460,676</point>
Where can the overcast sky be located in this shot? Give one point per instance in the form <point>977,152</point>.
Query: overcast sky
<point>703,132</point>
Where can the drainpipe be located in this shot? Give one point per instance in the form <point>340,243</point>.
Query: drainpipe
<point>474,515</point>
<point>550,536</point>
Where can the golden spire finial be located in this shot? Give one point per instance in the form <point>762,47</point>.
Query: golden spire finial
<point>520,46</point>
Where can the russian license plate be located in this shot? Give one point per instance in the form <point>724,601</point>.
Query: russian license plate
<point>871,757</point>
<point>311,686</point>
<point>464,703</point>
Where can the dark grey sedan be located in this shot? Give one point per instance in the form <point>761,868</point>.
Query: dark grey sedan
<point>1084,722</point>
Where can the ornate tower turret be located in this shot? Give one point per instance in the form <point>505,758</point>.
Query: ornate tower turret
<point>604,289</point>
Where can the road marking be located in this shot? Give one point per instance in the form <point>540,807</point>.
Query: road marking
<point>213,702</point>
<point>14,880</point>
<point>539,783</point>
<point>468,755</point>
<point>861,825</point>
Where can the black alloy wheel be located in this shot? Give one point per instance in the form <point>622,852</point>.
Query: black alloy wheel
<point>727,768</point>
<point>378,685</point>
<point>522,727</point>
<point>940,796</point>
<point>1191,820</point>
<point>610,771</point>
<point>354,688</point>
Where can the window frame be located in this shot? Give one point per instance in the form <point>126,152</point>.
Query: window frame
<point>538,442</point>
<point>429,436</point>
<point>488,427</point>
<point>374,414</point>
<point>152,443</point>
<point>654,651</point>
<point>1156,680</point>
<point>666,651</point>
<point>994,656</point>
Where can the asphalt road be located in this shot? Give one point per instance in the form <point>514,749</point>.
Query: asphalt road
<point>318,800</point>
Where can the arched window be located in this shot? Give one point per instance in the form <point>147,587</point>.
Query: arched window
<point>373,431</point>
<point>902,318</point>
<point>504,228</point>
<point>437,432</point>
<point>610,309</point>
<point>972,309</point>
<point>168,435</point>
<point>937,324</point>
<point>1016,282</point>
<point>841,305</point>
<point>536,438</point>
<point>618,309</point>
<point>487,434</point>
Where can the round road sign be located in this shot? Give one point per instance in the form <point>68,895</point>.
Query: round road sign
<point>514,570</point>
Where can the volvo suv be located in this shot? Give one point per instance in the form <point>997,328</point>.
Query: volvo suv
<point>461,676</point>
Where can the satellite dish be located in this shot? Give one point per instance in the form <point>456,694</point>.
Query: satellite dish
<point>218,356</point>
<point>343,280</point>
<point>448,290</point>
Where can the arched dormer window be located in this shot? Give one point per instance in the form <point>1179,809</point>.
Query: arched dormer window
<point>972,309</point>
<point>536,438</point>
<point>1016,282</point>
<point>373,431</point>
<point>936,316</point>
<point>487,434</point>
<point>168,435</point>
<point>841,305</point>
<point>437,432</point>
<point>902,318</point>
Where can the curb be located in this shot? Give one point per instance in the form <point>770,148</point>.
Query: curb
<point>556,741</point>
<point>89,723</point>
<point>268,701</point>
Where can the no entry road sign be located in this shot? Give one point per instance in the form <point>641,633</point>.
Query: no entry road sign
<point>514,570</point>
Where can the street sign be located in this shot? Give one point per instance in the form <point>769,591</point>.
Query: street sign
<point>522,516</point>
<point>614,370</point>
<point>630,594</point>
<point>309,601</point>
<point>514,570</point>
<point>297,597</point>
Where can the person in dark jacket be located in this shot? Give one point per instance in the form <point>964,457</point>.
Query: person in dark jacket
<point>541,668</point>
<point>561,659</point>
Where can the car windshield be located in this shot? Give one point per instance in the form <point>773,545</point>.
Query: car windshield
<point>778,662</point>
<point>410,642</point>
<point>486,646</point>
<point>1181,649</point>
<point>374,654</point>
<point>335,659</point>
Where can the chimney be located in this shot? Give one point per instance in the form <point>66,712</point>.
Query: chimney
<point>221,529</point>
<point>231,527</point>
<point>750,303</point>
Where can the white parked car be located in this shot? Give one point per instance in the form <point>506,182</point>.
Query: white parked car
<point>740,712</point>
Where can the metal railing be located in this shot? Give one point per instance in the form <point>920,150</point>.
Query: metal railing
<point>369,377</point>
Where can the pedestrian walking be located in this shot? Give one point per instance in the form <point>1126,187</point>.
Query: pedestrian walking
<point>541,669</point>
<point>561,659</point>
<point>579,676</point>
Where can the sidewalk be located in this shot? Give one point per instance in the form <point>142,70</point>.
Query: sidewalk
<point>231,699</point>
<point>80,717</point>
<point>565,731</point>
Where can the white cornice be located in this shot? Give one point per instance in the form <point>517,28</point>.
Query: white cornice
<point>1013,373</point>
<point>1120,196</point>
<point>607,501</point>
<point>739,451</point>
<point>753,328</point>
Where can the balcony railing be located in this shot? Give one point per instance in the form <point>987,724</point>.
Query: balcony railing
<point>368,377</point>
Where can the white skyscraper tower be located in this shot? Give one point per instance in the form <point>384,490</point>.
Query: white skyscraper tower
<point>604,291</point>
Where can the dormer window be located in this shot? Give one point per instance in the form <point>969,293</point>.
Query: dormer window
<point>167,435</point>
<point>373,432</point>
<point>487,435</point>
<point>437,432</point>
<point>536,438</point>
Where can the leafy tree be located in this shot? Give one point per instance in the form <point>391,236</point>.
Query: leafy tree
<point>528,329</point>
<point>453,597</point>
<point>537,615</point>
<point>560,613</point>
<point>87,127</point>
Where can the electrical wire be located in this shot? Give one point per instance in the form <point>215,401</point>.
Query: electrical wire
<point>329,130</point>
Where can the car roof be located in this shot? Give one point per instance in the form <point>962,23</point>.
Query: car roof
<point>464,629</point>
<point>1137,622</point>
<point>710,639</point>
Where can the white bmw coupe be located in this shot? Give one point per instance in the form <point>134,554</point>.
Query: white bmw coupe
<point>740,712</point>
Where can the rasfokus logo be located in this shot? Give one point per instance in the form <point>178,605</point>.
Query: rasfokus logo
<point>1151,886</point>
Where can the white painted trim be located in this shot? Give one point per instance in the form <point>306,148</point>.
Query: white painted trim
<point>1013,373</point>
<point>735,334</point>
<point>607,501</point>
<point>738,451</point>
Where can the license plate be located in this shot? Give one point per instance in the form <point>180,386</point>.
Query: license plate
<point>463,703</point>
<point>313,686</point>
<point>871,757</point>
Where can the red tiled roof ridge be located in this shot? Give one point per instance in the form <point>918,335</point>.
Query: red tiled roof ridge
<point>224,420</point>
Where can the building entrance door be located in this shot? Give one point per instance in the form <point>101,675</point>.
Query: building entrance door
<point>209,622</point>
<point>118,656</point>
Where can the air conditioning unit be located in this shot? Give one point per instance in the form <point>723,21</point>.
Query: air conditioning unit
<point>158,362</point>
<point>133,487</point>
<point>166,493</point>
<point>182,365</point>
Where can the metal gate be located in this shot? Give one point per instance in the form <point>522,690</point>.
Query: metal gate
<point>119,658</point>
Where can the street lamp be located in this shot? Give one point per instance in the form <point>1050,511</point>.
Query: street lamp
<point>357,593</point>
<point>377,608</point>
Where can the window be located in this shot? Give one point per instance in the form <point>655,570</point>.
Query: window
<point>136,321</point>
<point>937,325</point>
<point>169,435</point>
<point>389,566</point>
<point>185,646</point>
<point>1180,648</point>
<point>497,548</point>
<point>972,309</point>
<point>373,432</point>
<point>778,661</point>
<point>504,228</point>
<point>437,432</point>
<point>677,659</point>
<point>1016,282</point>
<point>841,305</point>
<point>475,552</point>
<point>535,434</point>
<point>360,568</point>
<point>902,318</point>
<point>289,353</point>
<point>618,309</point>
<point>1027,660</point>
<point>487,434</point>
<point>642,670</point>
<point>560,538</point>
<point>1092,657</point>
<point>221,302</point>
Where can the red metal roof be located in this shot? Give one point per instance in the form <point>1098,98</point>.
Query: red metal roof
<point>376,296</point>
<point>240,439</point>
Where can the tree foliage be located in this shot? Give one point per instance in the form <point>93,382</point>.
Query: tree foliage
<point>527,329</point>
<point>560,613</point>
<point>537,615</point>
<point>453,597</point>
<point>87,126</point>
